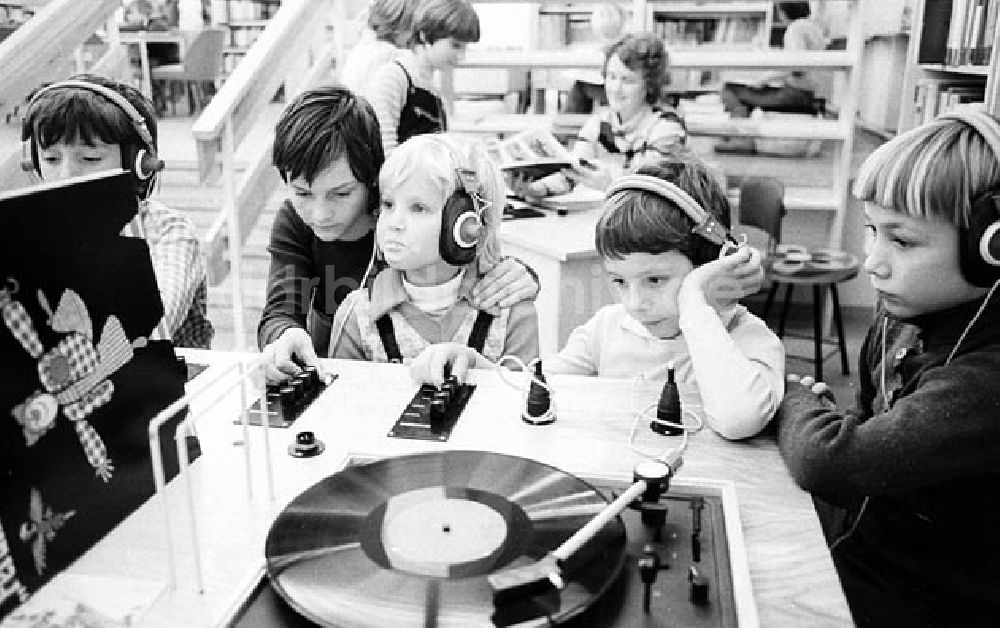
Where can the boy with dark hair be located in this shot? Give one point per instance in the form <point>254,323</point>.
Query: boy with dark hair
<point>327,150</point>
<point>89,124</point>
<point>905,483</point>
<point>402,92</point>
<point>677,299</point>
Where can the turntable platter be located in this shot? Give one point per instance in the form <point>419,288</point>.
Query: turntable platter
<point>411,540</point>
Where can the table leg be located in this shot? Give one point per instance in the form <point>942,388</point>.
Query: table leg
<point>818,332</point>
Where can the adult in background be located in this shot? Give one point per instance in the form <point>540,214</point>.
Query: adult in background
<point>634,127</point>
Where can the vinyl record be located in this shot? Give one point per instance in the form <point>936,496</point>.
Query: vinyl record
<point>411,541</point>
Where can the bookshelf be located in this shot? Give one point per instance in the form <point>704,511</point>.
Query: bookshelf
<point>245,20</point>
<point>951,59</point>
<point>828,202</point>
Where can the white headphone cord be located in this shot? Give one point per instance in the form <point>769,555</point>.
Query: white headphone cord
<point>968,327</point>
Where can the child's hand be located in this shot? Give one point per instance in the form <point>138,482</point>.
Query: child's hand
<point>527,189</point>
<point>817,388</point>
<point>724,281</point>
<point>294,342</point>
<point>592,174</point>
<point>428,367</point>
<point>507,283</point>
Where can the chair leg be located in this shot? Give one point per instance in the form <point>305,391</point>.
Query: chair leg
<point>839,322</point>
<point>173,103</point>
<point>784,310</point>
<point>773,290</point>
<point>818,331</point>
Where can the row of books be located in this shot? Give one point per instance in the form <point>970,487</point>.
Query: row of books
<point>692,31</point>
<point>933,97</point>
<point>958,32</point>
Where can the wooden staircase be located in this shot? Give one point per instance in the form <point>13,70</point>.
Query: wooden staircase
<point>200,203</point>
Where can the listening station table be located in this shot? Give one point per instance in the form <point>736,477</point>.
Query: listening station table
<point>791,575</point>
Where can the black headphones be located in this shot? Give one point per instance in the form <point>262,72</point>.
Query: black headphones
<point>144,163</point>
<point>979,243</point>
<point>461,220</point>
<point>705,224</point>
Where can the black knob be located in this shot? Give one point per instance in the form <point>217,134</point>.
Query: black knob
<point>273,400</point>
<point>306,445</point>
<point>287,394</point>
<point>437,411</point>
<point>699,587</point>
<point>649,565</point>
<point>299,388</point>
<point>313,374</point>
<point>443,395</point>
<point>304,379</point>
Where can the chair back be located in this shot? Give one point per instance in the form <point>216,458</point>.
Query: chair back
<point>762,206</point>
<point>203,58</point>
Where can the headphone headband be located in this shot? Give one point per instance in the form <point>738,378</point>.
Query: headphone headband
<point>705,224</point>
<point>138,122</point>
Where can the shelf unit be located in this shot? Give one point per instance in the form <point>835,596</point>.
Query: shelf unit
<point>950,60</point>
<point>832,199</point>
<point>245,20</point>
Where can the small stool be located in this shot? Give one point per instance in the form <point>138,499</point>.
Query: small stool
<point>794,266</point>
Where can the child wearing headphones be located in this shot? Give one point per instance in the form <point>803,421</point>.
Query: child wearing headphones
<point>402,91</point>
<point>441,207</point>
<point>89,124</point>
<point>905,482</point>
<point>677,298</point>
<point>327,149</point>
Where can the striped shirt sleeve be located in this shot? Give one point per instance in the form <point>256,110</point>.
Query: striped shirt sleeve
<point>177,263</point>
<point>387,95</point>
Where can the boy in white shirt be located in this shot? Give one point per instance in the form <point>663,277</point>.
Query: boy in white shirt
<point>676,300</point>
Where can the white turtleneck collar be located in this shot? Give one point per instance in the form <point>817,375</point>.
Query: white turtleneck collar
<point>434,298</point>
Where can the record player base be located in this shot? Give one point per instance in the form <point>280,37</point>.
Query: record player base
<point>670,598</point>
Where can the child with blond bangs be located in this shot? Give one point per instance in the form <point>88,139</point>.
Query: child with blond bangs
<point>436,235</point>
<point>677,300</point>
<point>326,149</point>
<point>905,481</point>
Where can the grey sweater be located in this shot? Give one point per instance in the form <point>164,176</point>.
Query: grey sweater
<point>919,459</point>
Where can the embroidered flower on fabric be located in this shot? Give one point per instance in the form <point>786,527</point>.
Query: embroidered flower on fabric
<point>37,415</point>
<point>41,528</point>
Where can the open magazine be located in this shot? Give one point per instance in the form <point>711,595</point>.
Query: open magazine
<point>532,154</point>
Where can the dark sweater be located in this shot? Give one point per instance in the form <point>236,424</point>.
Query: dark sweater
<point>921,459</point>
<point>308,278</point>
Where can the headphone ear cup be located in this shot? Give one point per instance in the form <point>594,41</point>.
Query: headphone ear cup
<point>979,255</point>
<point>453,244</point>
<point>27,156</point>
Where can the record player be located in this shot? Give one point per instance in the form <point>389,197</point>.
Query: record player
<point>423,539</point>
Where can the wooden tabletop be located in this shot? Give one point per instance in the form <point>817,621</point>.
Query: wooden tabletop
<point>793,579</point>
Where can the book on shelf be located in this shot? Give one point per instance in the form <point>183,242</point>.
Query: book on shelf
<point>533,154</point>
<point>934,96</point>
<point>970,26</point>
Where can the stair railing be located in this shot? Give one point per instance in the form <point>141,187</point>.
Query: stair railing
<point>294,52</point>
<point>41,51</point>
